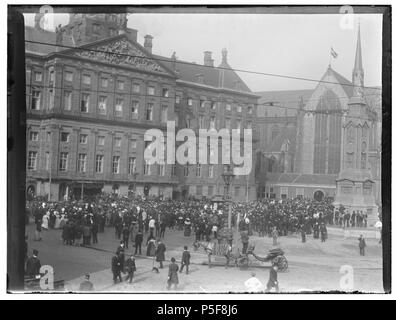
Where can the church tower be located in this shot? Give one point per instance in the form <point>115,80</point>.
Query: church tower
<point>355,185</point>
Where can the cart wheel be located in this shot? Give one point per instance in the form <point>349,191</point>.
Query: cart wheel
<point>282,263</point>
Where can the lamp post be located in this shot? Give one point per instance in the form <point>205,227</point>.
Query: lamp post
<point>228,176</point>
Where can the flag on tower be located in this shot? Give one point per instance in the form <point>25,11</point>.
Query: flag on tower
<point>333,53</point>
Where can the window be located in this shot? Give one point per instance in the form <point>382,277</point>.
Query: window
<point>177,99</point>
<point>51,75</point>
<point>117,142</point>
<point>213,105</point>
<point>228,107</point>
<point>198,171</point>
<point>38,76</point>
<point>201,123</point>
<point>249,125</point>
<point>186,170</point>
<point>49,136</point>
<point>99,163</point>
<point>63,161</point>
<point>146,168</point>
<point>149,112</point>
<point>83,138</point>
<point>198,191</point>
<point>250,110</point>
<point>237,191</point>
<point>210,190</point>
<point>132,144</point>
<point>173,170</point>
<point>102,104</point>
<point>69,76</point>
<point>86,79</point>
<point>228,123</point>
<point>84,102</point>
<point>116,164</point>
<point>82,162</point>
<point>135,110</point>
<point>36,100</point>
<point>47,161</point>
<point>51,95</point>
<point>190,102</point>
<point>104,82</point>
<point>165,92</point>
<point>67,100</point>
<point>239,108</point>
<point>118,107</point>
<point>202,103</point>
<point>211,171</point>
<point>161,169</point>
<point>136,88</point>
<point>65,137</point>
<point>32,160</point>
<point>150,90</point>
<point>212,123</point>
<point>33,136</point>
<point>101,140</point>
<point>238,125</point>
<point>120,85</point>
<point>132,165</point>
<point>164,113</point>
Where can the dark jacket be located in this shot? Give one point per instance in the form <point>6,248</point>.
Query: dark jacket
<point>139,237</point>
<point>273,276</point>
<point>130,265</point>
<point>160,252</point>
<point>172,275</point>
<point>33,266</point>
<point>186,257</point>
<point>116,264</point>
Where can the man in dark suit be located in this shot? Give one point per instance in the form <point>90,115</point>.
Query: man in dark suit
<point>185,260</point>
<point>116,268</point>
<point>130,266</point>
<point>273,280</point>
<point>138,242</point>
<point>121,253</point>
<point>33,265</point>
<point>160,253</point>
<point>125,234</point>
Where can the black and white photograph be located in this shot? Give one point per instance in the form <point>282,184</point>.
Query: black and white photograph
<point>198,149</point>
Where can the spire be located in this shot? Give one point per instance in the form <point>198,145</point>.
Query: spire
<point>358,55</point>
<point>358,73</point>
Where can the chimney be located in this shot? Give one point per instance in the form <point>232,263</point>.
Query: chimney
<point>208,61</point>
<point>148,43</point>
<point>173,58</point>
<point>224,55</point>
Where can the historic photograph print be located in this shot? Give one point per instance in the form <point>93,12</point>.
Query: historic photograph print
<point>194,150</point>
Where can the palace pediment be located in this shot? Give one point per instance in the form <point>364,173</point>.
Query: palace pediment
<point>120,52</point>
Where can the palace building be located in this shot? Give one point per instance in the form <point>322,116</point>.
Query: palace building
<point>93,92</point>
<point>324,142</point>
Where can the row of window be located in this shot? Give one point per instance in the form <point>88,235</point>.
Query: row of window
<point>99,164</point>
<point>212,123</point>
<point>104,82</point>
<point>83,139</point>
<point>213,105</point>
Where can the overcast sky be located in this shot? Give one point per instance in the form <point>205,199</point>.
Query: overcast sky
<point>294,45</point>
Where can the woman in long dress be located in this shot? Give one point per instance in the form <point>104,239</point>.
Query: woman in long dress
<point>173,278</point>
<point>44,225</point>
<point>151,247</point>
<point>57,221</point>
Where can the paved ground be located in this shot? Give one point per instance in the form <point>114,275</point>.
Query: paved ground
<point>312,265</point>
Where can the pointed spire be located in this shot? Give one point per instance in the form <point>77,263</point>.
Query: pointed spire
<point>358,73</point>
<point>358,55</point>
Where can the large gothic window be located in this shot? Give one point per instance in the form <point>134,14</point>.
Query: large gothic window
<point>327,142</point>
<point>363,155</point>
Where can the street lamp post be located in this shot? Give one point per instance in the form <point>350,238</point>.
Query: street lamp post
<point>228,176</point>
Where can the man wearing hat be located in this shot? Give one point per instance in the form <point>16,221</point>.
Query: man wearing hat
<point>86,285</point>
<point>160,253</point>
<point>130,266</point>
<point>33,265</point>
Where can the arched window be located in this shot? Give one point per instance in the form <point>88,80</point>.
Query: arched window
<point>271,164</point>
<point>363,159</point>
<point>327,140</point>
